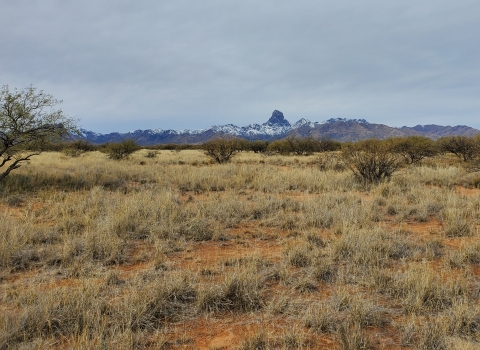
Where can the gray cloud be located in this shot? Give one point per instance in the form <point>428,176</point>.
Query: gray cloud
<point>120,65</point>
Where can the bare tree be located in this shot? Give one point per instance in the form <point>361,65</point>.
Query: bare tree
<point>28,122</point>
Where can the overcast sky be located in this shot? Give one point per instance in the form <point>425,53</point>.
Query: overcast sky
<point>126,65</point>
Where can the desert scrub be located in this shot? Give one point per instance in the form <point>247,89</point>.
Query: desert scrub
<point>325,212</point>
<point>322,318</point>
<point>463,320</point>
<point>24,245</point>
<point>352,337</point>
<point>163,299</point>
<point>324,269</point>
<point>466,254</point>
<point>439,176</point>
<point>459,216</point>
<point>301,255</point>
<point>260,238</point>
<point>426,335</point>
<point>309,180</point>
<point>85,313</point>
<point>370,249</point>
<point>54,171</point>
<point>259,341</point>
<point>420,290</point>
<point>121,150</point>
<point>54,312</point>
<point>344,309</point>
<point>371,161</point>
<point>139,216</point>
<point>240,290</point>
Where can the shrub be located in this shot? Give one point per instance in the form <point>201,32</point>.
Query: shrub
<point>352,337</point>
<point>258,146</point>
<point>151,154</point>
<point>476,182</point>
<point>430,336</point>
<point>238,292</point>
<point>330,161</point>
<point>465,148</point>
<point>371,161</point>
<point>76,148</point>
<point>302,146</point>
<point>299,256</point>
<point>121,150</point>
<point>221,150</point>
<point>326,145</point>
<point>280,147</point>
<point>258,341</point>
<point>473,167</point>
<point>414,148</point>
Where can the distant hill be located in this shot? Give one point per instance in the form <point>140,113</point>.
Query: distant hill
<point>278,127</point>
<point>435,131</point>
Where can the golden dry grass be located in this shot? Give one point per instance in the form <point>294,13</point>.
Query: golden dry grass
<point>173,251</point>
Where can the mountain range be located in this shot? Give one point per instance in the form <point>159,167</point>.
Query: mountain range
<point>277,127</point>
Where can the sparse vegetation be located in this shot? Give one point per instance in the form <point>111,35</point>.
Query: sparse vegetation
<point>261,252</point>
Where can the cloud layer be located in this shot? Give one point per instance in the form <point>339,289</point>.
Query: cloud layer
<point>123,65</point>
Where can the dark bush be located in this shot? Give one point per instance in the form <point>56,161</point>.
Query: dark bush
<point>371,161</point>
<point>173,147</point>
<point>280,147</point>
<point>302,146</point>
<point>465,148</point>
<point>327,145</point>
<point>76,148</point>
<point>121,150</point>
<point>414,148</point>
<point>221,150</point>
<point>258,146</point>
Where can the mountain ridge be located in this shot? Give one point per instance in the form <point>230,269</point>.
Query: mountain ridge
<point>277,127</point>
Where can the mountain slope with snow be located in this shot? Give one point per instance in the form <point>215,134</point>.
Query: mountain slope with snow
<point>277,127</point>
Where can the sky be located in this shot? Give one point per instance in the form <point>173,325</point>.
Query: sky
<point>123,65</point>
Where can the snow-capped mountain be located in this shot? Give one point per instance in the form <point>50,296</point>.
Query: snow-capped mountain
<point>333,120</point>
<point>304,123</point>
<point>277,127</point>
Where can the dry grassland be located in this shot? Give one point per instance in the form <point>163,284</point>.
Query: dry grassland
<point>174,252</point>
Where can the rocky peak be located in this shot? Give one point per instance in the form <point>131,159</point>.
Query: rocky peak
<point>278,119</point>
